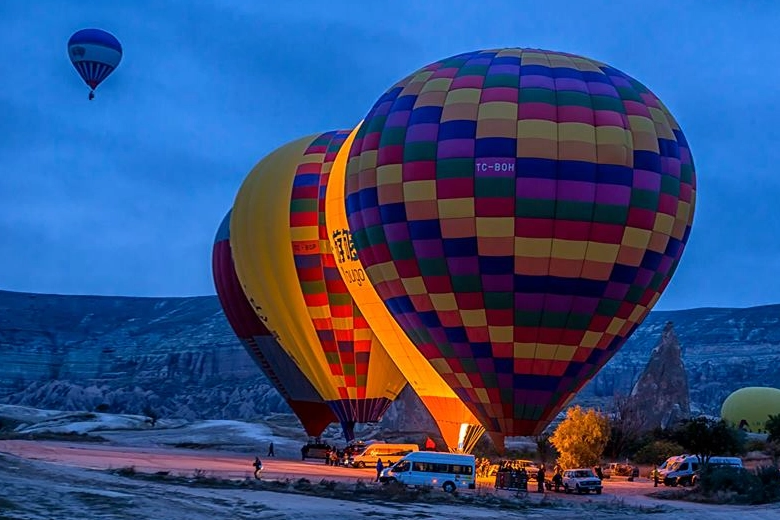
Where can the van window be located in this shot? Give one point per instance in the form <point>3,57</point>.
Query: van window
<point>439,467</point>
<point>401,467</point>
<point>682,467</point>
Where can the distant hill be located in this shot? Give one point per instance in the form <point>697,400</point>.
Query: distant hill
<point>180,357</point>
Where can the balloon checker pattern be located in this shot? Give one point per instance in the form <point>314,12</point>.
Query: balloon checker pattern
<point>519,211</point>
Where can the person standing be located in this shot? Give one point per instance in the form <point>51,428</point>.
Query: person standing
<point>271,450</point>
<point>540,479</point>
<point>655,475</point>
<point>379,468</point>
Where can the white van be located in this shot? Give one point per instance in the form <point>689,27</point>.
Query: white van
<point>683,472</point>
<point>381,450</point>
<point>449,471</point>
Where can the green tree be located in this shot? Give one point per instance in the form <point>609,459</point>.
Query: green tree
<point>707,437</point>
<point>773,428</point>
<point>581,437</point>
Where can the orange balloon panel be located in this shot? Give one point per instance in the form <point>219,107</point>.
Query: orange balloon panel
<point>445,407</point>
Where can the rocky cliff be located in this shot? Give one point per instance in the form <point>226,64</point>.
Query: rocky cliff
<point>180,357</point>
<point>661,392</point>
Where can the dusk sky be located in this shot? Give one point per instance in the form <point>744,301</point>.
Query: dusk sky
<point>123,195</point>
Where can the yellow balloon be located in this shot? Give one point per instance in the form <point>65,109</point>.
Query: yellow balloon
<point>750,407</point>
<point>262,241</point>
<point>459,428</point>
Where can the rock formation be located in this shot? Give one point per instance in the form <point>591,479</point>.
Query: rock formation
<point>660,395</point>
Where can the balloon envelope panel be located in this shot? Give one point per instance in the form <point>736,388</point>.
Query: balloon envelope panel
<point>519,211</point>
<point>750,407</point>
<point>274,362</point>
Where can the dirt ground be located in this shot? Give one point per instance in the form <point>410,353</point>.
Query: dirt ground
<point>46,479</point>
<point>32,488</point>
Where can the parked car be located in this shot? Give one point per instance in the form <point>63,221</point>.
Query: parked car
<point>581,480</point>
<point>314,450</point>
<point>682,472</point>
<point>617,469</point>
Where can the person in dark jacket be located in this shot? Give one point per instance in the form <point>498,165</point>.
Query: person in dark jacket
<point>540,479</point>
<point>379,468</point>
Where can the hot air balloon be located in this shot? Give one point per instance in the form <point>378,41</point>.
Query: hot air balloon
<point>286,269</point>
<point>458,426</point>
<point>95,54</point>
<point>519,211</point>
<point>750,407</point>
<point>273,361</point>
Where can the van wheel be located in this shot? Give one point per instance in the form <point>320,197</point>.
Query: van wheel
<point>360,464</point>
<point>448,487</point>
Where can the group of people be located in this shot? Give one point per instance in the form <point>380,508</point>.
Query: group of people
<point>338,457</point>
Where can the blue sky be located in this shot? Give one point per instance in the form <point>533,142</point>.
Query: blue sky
<point>123,195</point>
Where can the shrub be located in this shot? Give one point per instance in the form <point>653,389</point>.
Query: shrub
<point>656,452</point>
<point>770,479</point>
<point>754,445</point>
<point>735,485</point>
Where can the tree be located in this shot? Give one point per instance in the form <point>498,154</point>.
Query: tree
<point>625,428</point>
<point>773,440</point>
<point>544,450</point>
<point>773,428</point>
<point>581,437</point>
<point>707,437</point>
<point>152,415</point>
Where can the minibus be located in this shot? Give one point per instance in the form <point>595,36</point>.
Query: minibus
<point>448,471</point>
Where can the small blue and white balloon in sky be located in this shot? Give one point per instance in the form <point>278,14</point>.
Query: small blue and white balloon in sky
<point>95,54</point>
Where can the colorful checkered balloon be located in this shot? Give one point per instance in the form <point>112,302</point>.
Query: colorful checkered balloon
<point>344,336</point>
<point>519,211</point>
<point>284,263</point>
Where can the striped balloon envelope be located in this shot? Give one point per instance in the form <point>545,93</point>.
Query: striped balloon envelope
<point>519,211</point>
<point>95,54</point>
<point>459,428</point>
<point>273,361</point>
<point>286,267</point>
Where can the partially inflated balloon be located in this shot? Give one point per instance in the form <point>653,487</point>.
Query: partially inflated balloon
<point>519,212</point>
<point>95,54</point>
<point>287,271</point>
<point>750,407</point>
<point>274,362</point>
<point>459,428</point>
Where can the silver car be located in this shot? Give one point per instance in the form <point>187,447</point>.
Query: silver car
<point>581,480</point>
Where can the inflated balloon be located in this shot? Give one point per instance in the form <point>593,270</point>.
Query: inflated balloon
<point>287,271</point>
<point>749,408</point>
<point>458,426</point>
<point>95,54</point>
<point>274,362</point>
<point>519,212</point>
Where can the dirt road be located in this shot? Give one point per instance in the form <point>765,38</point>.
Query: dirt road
<point>46,467</point>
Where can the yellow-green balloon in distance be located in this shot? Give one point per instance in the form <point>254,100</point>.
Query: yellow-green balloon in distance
<point>750,407</point>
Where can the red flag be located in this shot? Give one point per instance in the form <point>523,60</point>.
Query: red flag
<point>429,444</point>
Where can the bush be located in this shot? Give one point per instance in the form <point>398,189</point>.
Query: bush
<point>656,452</point>
<point>735,485</point>
<point>770,479</point>
<point>754,445</point>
